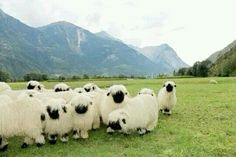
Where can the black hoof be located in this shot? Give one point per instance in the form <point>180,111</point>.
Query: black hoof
<point>94,129</point>
<point>125,134</point>
<point>4,148</point>
<point>39,144</point>
<point>74,132</point>
<point>148,131</point>
<point>110,133</point>
<point>52,141</point>
<point>24,145</point>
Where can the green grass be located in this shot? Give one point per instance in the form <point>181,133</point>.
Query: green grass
<point>203,124</point>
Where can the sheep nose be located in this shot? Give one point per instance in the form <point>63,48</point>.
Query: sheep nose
<point>169,88</point>
<point>87,89</point>
<point>118,97</point>
<point>81,109</point>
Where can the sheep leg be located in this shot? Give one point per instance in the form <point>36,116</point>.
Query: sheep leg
<point>3,144</point>
<point>96,122</point>
<point>110,130</point>
<point>167,112</point>
<point>27,141</point>
<point>75,135</point>
<point>52,138</point>
<point>84,134</point>
<point>40,140</point>
<point>64,138</point>
<point>141,131</point>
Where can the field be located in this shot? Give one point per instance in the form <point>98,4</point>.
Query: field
<point>203,124</point>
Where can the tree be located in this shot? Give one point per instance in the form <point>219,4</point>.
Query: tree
<point>4,76</point>
<point>35,76</point>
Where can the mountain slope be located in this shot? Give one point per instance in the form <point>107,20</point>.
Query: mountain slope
<point>164,55</point>
<point>218,54</point>
<point>64,48</point>
<point>225,65</point>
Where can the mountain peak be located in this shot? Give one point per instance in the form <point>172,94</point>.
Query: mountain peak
<point>2,14</point>
<point>105,35</point>
<point>63,24</point>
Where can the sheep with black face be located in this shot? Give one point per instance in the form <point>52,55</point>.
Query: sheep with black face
<point>166,97</point>
<point>116,97</point>
<point>140,114</point>
<point>58,120</point>
<point>61,87</point>
<point>79,90</point>
<point>21,117</point>
<point>147,91</point>
<point>82,114</point>
<point>34,85</point>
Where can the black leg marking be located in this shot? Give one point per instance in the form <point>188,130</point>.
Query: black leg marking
<point>24,145</point>
<point>52,141</point>
<point>4,148</point>
<point>39,144</point>
<point>74,132</point>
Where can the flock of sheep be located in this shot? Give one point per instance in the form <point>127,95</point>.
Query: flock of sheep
<point>36,113</point>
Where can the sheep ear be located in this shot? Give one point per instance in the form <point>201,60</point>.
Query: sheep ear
<point>175,85</point>
<point>64,109</point>
<point>139,93</point>
<point>93,88</point>
<point>108,93</point>
<point>164,85</point>
<point>91,103</point>
<point>39,88</point>
<point>126,93</point>
<point>124,121</point>
<point>48,109</point>
<point>152,94</point>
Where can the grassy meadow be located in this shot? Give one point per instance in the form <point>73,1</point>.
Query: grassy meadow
<point>203,124</point>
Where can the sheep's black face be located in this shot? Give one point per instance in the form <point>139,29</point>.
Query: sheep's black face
<point>80,109</point>
<point>169,88</point>
<point>118,97</point>
<point>30,86</point>
<point>54,114</point>
<point>87,89</point>
<point>58,90</point>
<point>115,125</point>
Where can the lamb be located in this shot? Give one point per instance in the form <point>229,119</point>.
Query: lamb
<point>22,117</point>
<point>58,120</point>
<point>83,115</point>
<point>34,85</point>
<point>91,87</point>
<point>147,91</point>
<point>166,98</point>
<point>4,87</point>
<point>61,87</point>
<point>140,114</point>
<point>116,97</point>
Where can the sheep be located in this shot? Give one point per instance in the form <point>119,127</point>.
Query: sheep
<point>13,94</point>
<point>4,87</point>
<point>147,91</point>
<point>34,85</point>
<point>116,97</point>
<point>21,117</point>
<point>166,98</point>
<point>140,114</point>
<point>213,81</point>
<point>58,120</point>
<point>96,94</point>
<point>79,90</point>
<point>61,87</point>
<point>83,115</point>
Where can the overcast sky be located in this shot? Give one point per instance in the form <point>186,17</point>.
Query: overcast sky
<point>194,28</point>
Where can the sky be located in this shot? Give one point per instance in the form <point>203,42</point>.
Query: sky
<point>194,28</point>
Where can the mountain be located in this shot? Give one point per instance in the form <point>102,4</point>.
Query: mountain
<point>64,48</point>
<point>164,55</point>
<point>105,35</point>
<point>218,54</point>
<point>225,64</point>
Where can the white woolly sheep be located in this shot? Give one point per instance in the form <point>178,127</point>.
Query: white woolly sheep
<point>4,87</point>
<point>166,98</point>
<point>147,91</point>
<point>79,90</point>
<point>22,117</point>
<point>116,97</point>
<point>140,114</point>
<point>34,85</point>
<point>58,120</point>
<point>61,87</point>
<point>83,115</point>
<point>213,81</point>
